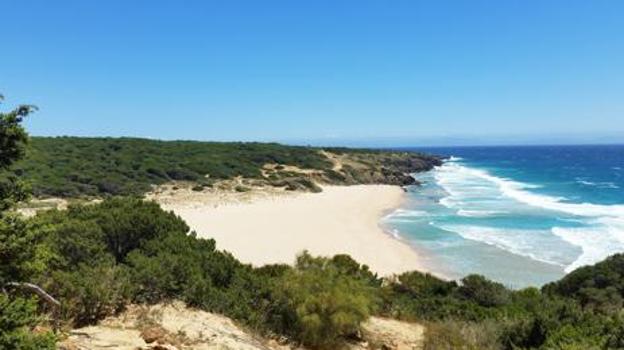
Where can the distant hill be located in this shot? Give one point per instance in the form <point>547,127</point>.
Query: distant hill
<point>93,167</point>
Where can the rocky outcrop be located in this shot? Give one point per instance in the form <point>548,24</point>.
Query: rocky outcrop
<point>166,326</point>
<point>377,167</point>
<point>388,334</point>
<point>176,327</point>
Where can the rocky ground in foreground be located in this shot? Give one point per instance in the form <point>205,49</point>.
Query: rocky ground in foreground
<point>174,326</point>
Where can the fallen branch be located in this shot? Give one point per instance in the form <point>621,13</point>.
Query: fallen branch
<point>37,290</point>
<point>43,295</point>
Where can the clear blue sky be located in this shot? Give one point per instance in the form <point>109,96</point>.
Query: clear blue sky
<point>378,72</point>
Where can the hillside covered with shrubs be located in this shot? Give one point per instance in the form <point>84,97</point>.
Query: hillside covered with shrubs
<point>98,167</point>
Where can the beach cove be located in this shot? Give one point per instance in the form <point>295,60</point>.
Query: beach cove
<point>269,229</point>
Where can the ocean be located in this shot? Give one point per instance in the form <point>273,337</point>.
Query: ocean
<point>523,216</point>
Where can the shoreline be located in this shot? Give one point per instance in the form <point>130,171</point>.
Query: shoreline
<point>275,227</point>
<point>428,262</point>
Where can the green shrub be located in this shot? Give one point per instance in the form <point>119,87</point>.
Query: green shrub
<point>483,291</point>
<point>18,317</point>
<point>20,255</point>
<point>346,265</point>
<point>164,268</point>
<point>599,287</point>
<point>127,223</point>
<point>458,335</point>
<point>91,293</point>
<point>325,303</point>
<point>424,284</point>
<point>72,242</point>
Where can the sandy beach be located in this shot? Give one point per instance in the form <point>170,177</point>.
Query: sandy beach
<point>275,228</point>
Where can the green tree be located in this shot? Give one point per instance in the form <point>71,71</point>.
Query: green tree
<point>13,139</point>
<point>18,252</point>
<point>16,245</point>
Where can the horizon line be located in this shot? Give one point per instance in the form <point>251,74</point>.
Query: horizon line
<point>362,145</point>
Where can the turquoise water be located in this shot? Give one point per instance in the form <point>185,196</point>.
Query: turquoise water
<point>519,215</point>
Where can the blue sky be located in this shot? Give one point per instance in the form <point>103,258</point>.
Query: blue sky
<point>342,72</point>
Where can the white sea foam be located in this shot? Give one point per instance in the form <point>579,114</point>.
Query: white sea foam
<point>407,213</point>
<point>395,234</point>
<point>454,173</point>
<point>404,215</point>
<point>597,184</point>
<point>448,202</point>
<point>604,238</point>
<point>480,213</point>
<point>471,191</point>
<point>585,182</point>
<point>534,244</point>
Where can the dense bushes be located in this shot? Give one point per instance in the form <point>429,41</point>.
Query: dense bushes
<point>97,167</point>
<point>73,167</point>
<point>600,287</point>
<point>481,314</point>
<point>118,251</point>
<point>89,293</point>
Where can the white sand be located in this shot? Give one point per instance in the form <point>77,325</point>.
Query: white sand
<point>275,229</point>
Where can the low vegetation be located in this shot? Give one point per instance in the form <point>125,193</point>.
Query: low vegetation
<point>98,167</point>
<point>98,258</point>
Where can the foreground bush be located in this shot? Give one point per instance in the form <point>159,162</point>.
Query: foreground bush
<point>326,304</point>
<point>90,293</point>
<point>18,318</point>
<point>458,335</point>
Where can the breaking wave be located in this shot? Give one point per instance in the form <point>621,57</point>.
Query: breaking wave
<point>476,193</point>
